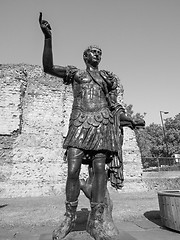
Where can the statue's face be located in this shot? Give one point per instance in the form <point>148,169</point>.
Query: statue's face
<point>94,56</point>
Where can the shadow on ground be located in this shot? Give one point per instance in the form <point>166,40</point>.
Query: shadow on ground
<point>154,216</point>
<point>79,231</point>
<point>81,221</point>
<point>4,205</point>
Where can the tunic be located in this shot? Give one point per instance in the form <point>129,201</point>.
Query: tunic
<point>92,124</point>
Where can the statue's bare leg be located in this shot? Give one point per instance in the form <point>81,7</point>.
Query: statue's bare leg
<point>74,157</point>
<point>99,179</point>
<point>100,224</point>
<point>86,185</point>
<point>95,220</point>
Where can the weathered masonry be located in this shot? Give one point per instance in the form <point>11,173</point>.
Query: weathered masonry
<point>34,112</point>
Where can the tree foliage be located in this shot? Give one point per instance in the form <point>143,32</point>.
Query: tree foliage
<point>151,139</point>
<point>130,112</point>
<point>172,134</point>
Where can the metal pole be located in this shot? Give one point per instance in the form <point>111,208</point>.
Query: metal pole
<point>167,150</point>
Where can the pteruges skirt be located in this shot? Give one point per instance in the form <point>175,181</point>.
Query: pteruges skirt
<point>92,131</point>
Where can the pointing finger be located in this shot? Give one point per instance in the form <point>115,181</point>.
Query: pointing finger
<point>40,17</point>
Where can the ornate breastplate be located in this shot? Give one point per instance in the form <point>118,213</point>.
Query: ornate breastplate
<point>88,94</point>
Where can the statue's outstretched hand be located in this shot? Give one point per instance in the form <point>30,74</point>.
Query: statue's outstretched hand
<point>139,123</point>
<point>45,26</point>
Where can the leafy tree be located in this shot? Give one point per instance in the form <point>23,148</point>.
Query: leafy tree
<point>172,134</point>
<point>151,140</point>
<point>154,134</point>
<point>130,112</point>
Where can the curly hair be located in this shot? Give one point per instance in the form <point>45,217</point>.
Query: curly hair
<point>89,49</point>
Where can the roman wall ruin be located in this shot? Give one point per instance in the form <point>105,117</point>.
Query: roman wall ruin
<point>34,112</point>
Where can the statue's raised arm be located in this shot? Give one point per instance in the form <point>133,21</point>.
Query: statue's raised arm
<point>48,66</point>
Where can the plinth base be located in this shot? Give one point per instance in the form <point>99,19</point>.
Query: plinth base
<point>81,235</point>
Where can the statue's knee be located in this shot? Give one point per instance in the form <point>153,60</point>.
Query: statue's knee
<point>73,173</point>
<point>99,169</point>
<point>99,164</point>
<point>74,163</point>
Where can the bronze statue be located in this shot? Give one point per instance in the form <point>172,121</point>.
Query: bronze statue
<point>93,137</point>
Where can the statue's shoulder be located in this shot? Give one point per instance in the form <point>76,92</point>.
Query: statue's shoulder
<point>109,74</point>
<point>81,72</point>
<point>110,77</point>
<point>80,75</point>
<point>70,74</point>
<point>71,69</point>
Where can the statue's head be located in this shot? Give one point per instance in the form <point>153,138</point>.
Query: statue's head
<point>92,55</point>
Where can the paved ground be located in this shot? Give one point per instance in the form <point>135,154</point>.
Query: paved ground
<point>135,214</point>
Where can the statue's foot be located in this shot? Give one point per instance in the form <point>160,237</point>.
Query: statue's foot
<point>69,222</point>
<point>102,231</point>
<point>100,227</point>
<point>110,229</point>
<point>108,223</point>
<point>66,227</point>
<point>97,232</point>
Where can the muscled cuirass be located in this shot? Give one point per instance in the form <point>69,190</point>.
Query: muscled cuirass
<point>88,93</point>
<point>91,125</point>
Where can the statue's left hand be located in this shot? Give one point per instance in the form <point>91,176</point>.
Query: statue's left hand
<point>45,26</point>
<point>139,123</point>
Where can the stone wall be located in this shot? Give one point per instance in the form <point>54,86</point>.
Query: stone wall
<point>34,113</point>
<point>12,89</point>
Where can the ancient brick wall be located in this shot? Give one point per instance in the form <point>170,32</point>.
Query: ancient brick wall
<point>34,113</point>
<point>11,94</point>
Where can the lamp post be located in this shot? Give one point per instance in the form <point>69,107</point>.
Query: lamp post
<point>167,151</point>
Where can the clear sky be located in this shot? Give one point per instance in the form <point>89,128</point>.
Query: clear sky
<point>140,40</point>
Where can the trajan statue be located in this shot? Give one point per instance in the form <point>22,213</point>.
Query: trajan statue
<point>94,137</point>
